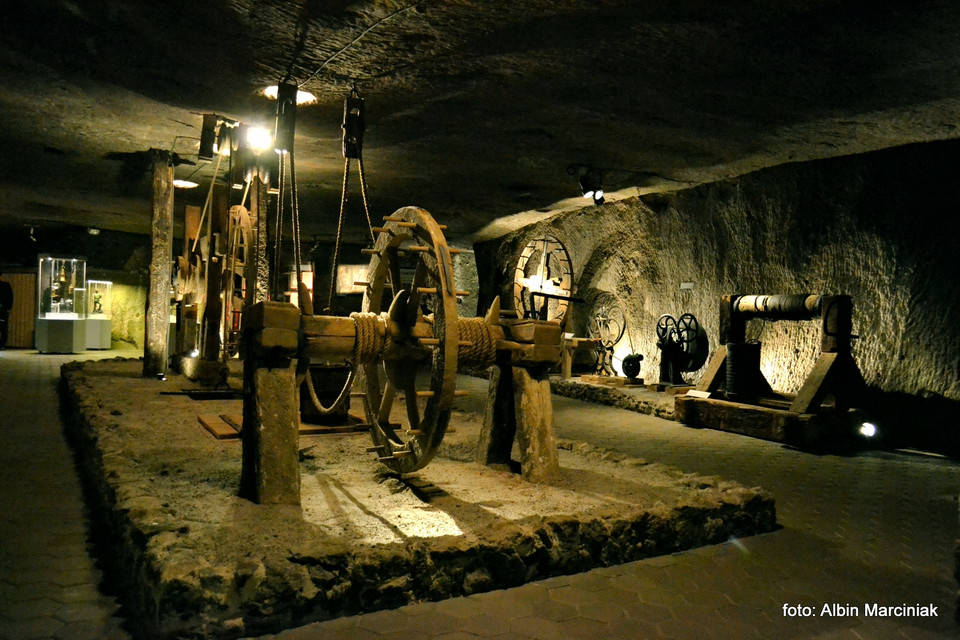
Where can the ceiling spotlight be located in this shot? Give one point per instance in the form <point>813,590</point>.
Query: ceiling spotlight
<point>590,187</point>
<point>868,430</point>
<point>185,184</point>
<point>303,97</point>
<point>93,231</point>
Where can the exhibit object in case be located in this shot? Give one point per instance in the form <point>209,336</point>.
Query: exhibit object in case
<point>61,305</point>
<point>292,293</point>
<point>99,323</point>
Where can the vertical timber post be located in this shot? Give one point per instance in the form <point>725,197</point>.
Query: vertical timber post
<point>270,471</point>
<point>519,407</point>
<point>157,322</point>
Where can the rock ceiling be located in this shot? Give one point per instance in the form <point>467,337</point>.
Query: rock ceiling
<point>475,109</point>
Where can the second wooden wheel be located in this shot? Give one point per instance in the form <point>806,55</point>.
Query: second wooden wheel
<point>409,390</point>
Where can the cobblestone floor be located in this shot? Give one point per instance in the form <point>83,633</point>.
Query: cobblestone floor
<point>49,585</point>
<point>873,528</point>
<point>858,530</point>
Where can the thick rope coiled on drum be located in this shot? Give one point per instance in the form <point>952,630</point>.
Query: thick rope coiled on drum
<point>370,342</point>
<point>482,351</point>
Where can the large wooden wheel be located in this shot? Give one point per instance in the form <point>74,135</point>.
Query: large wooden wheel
<point>543,280</point>
<point>411,386</point>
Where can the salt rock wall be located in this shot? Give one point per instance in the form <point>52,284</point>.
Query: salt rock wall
<point>881,227</point>
<point>129,302</point>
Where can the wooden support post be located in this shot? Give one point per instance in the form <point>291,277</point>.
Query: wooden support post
<point>519,405</point>
<point>270,472</point>
<point>534,414</point>
<point>733,326</point>
<point>157,319</point>
<point>715,375</point>
<point>212,306</point>
<point>837,319</point>
<point>499,416</point>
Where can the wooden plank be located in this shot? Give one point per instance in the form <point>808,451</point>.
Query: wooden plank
<point>736,417</point>
<point>678,390</point>
<point>817,384</point>
<point>217,427</point>
<point>320,429</point>
<point>235,420</point>
<point>716,371</point>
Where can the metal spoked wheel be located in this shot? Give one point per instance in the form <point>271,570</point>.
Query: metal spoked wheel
<point>603,360</point>
<point>692,340</point>
<point>410,390</point>
<point>608,324</point>
<point>687,330</point>
<point>666,327</point>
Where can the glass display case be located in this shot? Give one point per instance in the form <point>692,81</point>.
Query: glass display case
<point>99,307</point>
<point>61,305</point>
<point>99,298</point>
<point>62,286</point>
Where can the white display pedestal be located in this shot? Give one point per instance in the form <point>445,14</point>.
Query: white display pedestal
<point>61,335</point>
<point>98,332</point>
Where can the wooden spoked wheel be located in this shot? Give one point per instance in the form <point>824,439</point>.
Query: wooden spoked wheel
<point>543,280</point>
<point>410,389</point>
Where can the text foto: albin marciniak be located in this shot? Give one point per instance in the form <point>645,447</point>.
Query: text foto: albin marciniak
<point>867,610</point>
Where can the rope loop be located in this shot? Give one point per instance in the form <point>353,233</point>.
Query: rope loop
<point>482,351</point>
<point>370,342</point>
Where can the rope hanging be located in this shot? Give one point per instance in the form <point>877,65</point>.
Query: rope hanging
<point>353,128</point>
<point>295,226</point>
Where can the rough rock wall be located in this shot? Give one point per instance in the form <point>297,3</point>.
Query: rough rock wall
<point>881,227</point>
<point>129,302</point>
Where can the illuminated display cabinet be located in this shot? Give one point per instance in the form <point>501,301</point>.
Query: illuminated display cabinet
<point>61,305</point>
<point>99,307</point>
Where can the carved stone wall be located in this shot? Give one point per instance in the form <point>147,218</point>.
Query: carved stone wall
<point>881,227</point>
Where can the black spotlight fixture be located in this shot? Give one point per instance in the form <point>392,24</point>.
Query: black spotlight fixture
<point>589,178</point>
<point>591,188</point>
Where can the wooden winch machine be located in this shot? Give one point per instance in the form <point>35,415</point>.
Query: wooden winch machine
<point>734,396</point>
<point>404,348</point>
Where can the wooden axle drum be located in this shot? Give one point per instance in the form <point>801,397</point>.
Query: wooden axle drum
<point>724,401</point>
<point>409,322</point>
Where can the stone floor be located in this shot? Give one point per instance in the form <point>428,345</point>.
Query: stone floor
<point>49,585</point>
<point>872,528</point>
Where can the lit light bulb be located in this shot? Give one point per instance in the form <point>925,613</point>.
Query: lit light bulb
<point>868,429</point>
<point>303,97</point>
<point>259,139</point>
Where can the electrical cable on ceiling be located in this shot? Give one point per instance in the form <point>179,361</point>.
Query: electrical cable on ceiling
<point>357,39</point>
